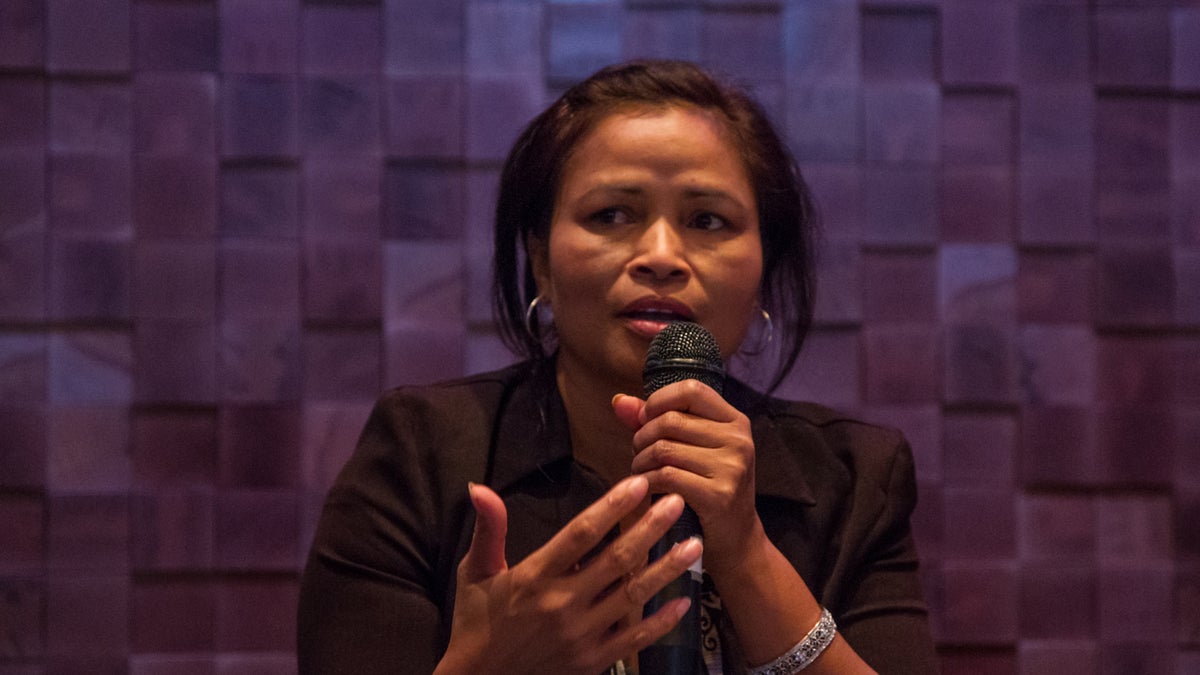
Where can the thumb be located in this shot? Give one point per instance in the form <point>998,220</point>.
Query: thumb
<point>629,410</point>
<point>485,558</point>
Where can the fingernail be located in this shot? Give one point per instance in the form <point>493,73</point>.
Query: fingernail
<point>682,607</point>
<point>637,486</point>
<point>614,399</point>
<point>691,548</point>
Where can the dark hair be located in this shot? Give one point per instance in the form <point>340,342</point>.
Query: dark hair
<point>530,179</point>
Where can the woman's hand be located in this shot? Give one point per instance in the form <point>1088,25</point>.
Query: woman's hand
<point>690,441</point>
<point>554,612</point>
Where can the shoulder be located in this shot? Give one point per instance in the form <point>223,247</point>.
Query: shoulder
<point>830,447</point>
<point>456,403</point>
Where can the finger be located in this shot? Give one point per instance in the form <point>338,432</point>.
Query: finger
<point>586,530</point>
<point>644,633</point>
<point>635,590</point>
<point>628,410</point>
<point>627,553</point>
<point>684,428</point>
<point>485,557</point>
<point>690,396</point>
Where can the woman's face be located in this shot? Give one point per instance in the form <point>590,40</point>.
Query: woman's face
<point>655,220</point>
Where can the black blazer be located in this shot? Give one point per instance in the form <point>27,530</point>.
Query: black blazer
<point>834,495</point>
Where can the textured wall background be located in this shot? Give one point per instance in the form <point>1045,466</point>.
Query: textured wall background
<point>225,226</point>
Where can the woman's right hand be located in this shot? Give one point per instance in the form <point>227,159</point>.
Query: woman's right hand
<point>554,612</point>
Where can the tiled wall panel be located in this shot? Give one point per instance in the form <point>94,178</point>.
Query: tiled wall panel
<point>226,225</point>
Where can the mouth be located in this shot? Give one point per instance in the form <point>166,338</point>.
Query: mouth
<point>647,316</point>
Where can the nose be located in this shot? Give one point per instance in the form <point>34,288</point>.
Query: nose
<point>660,254</point>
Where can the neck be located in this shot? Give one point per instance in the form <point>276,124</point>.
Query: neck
<point>598,439</point>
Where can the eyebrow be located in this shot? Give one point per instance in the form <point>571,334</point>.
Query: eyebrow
<point>694,192</point>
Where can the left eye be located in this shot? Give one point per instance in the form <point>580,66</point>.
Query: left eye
<point>709,221</point>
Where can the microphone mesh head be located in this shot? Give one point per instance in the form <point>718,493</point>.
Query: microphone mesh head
<point>683,351</point>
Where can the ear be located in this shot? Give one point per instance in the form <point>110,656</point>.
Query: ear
<point>538,252</point>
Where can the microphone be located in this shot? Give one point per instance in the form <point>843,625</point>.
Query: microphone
<point>681,351</point>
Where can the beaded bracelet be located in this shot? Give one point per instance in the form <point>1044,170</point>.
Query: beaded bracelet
<point>805,652</point>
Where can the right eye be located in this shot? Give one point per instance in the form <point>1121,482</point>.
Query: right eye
<point>611,216</point>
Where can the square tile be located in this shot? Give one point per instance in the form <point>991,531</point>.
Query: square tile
<point>901,363</point>
<point>24,616</point>
<point>259,36</point>
<point>260,280</point>
<point>23,114</point>
<point>978,43</point>
<point>172,531</point>
<point>1058,363</point>
<point>175,113</point>
<point>260,359</point>
<point>260,117</point>
<point>899,45</point>
<point>175,197</point>
<point>343,281</point>
<point>341,38</point>
<point>176,361</point>
<point>1057,528</point>
<point>23,540</point>
<point>900,206</point>
<point>340,116</point>
<point>175,36</point>
<point>980,450</point>
<point>256,615</point>
<point>256,531</point>
<point>423,36</point>
<point>259,446</point>
<point>174,448</point>
<point>901,123</point>
<point>978,128</point>
<point>260,201</point>
<point>23,462</point>
<point>1135,286</point>
<point>1055,287</point>
<point>423,202</point>
<point>87,615</point>
<point>663,32</point>
<point>172,615</point>
<point>1054,42</point>
<point>743,45</point>
<point>91,196</point>
<point>1133,46</point>
<point>91,367</point>
<point>580,39</point>
<point>822,42</point>
<point>342,199</point>
<point>978,205</point>
<point>88,450</point>
<point>24,370</point>
<point>88,37</point>
<point>824,121</point>
<point>88,534</point>
<point>342,365</point>
<point>90,279</point>
<point>425,116</point>
<point>175,279</point>
<point>23,35</point>
<point>90,117</point>
<point>1059,447</point>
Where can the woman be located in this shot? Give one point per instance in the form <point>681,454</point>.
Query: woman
<point>501,523</point>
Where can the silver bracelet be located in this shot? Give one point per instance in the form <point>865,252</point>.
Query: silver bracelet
<point>805,652</point>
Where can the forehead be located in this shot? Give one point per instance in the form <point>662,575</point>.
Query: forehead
<point>646,132</point>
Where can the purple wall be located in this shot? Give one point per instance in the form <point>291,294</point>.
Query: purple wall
<point>225,226</point>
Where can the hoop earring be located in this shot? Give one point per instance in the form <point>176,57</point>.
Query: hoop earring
<point>532,319</point>
<point>765,336</point>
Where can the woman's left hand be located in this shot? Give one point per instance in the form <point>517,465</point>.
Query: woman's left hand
<point>690,441</point>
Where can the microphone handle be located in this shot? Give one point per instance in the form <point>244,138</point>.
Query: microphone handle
<point>678,652</point>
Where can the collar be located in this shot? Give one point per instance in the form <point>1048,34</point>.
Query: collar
<point>533,435</point>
